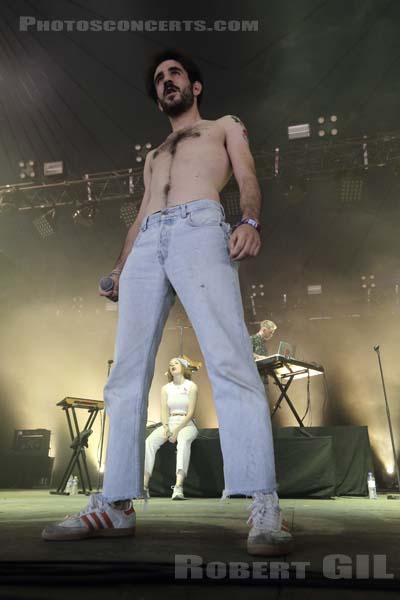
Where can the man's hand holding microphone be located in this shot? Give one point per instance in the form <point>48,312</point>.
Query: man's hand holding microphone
<point>109,286</point>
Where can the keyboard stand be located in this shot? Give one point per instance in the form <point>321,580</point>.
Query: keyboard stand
<point>79,441</point>
<point>284,371</point>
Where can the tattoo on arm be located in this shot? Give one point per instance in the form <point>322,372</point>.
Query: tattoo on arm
<point>244,130</point>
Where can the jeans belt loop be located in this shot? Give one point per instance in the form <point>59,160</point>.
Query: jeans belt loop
<point>222,211</point>
<point>184,211</point>
<point>144,224</point>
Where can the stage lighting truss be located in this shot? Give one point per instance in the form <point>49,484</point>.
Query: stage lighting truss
<point>321,158</point>
<point>309,160</point>
<point>83,195</point>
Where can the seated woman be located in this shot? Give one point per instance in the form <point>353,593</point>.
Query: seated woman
<point>178,401</point>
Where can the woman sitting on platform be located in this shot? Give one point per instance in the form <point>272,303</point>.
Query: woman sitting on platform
<point>178,402</point>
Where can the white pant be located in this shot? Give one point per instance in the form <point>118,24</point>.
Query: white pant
<point>184,440</point>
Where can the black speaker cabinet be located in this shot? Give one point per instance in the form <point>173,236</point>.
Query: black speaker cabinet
<point>35,442</point>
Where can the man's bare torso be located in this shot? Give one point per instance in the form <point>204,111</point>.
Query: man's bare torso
<point>191,164</point>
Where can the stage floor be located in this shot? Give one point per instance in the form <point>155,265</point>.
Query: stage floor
<point>207,528</point>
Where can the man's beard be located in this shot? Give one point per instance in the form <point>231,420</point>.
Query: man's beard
<point>177,108</point>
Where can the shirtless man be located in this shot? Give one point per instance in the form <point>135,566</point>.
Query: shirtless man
<point>181,244</point>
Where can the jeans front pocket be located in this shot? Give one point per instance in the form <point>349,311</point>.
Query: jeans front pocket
<point>205,217</point>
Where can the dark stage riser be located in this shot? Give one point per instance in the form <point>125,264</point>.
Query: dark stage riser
<point>335,461</point>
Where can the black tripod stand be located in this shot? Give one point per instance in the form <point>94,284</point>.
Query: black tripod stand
<point>396,466</point>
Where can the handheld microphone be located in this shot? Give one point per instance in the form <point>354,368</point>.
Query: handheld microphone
<point>106,284</point>
<point>376,347</point>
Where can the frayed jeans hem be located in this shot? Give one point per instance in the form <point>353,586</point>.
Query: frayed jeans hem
<point>227,493</point>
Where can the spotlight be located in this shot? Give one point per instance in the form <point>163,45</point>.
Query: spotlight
<point>368,281</point>
<point>327,125</point>
<point>390,469</point>
<point>27,169</point>
<point>141,151</point>
<point>44,223</point>
<point>128,213</point>
<point>85,215</point>
<point>258,290</point>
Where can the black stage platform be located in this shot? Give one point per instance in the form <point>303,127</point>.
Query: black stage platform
<point>316,462</point>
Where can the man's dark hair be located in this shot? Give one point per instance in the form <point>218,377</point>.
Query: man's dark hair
<point>190,67</point>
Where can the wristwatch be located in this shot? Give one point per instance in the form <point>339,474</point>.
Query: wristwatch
<point>247,221</point>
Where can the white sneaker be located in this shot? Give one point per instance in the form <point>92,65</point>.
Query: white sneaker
<point>269,534</point>
<point>177,493</point>
<point>97,519</point>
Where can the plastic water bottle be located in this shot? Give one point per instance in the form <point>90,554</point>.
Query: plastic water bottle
<point>68,487</point>
<point>74,489</point>
<point>371,487</point>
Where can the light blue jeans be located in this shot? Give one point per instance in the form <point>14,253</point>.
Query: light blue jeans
<point>184,249</point>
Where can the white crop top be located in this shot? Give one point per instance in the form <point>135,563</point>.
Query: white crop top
<point>178,396</point>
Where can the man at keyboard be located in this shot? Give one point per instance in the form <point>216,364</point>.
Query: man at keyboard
<point>259,339</point>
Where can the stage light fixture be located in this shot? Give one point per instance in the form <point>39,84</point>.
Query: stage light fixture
<point>297,132</point>
<point>314,290</point>
<point>84,215</point>
<point>8,204</point>
<point>27,169</point>
<point>231,202</point>
<point>368,282</point>
<point>327,125</point>
<point>44,224</point>
<point>351,190</point>
<point>141,151</point>
<point>258,290</point>
<point>128,213</point>
<point>50,169</point>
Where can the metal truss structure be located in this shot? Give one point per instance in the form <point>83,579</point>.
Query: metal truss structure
<point>91,189</point>
<point>298,159</point>
<point>321,158</point>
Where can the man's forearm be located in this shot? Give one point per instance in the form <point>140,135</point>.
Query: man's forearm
<point>127,247</point>
<point>250,199</point>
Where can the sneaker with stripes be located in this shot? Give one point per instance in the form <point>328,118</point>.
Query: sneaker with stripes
<point>97,519</point>
<point>269,534</point>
